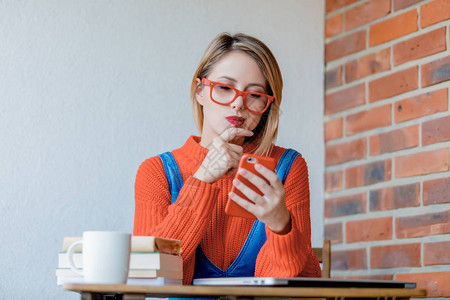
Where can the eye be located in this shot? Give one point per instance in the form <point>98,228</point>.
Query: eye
<point>222,87</point>
<point>255,96</point>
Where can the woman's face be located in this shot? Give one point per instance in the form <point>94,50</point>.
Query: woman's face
<point>239,70</point>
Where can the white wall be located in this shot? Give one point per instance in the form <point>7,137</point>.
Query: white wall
<point>90,89</point>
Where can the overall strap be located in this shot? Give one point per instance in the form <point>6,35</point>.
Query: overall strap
<point>173,175</point>
<point>285,163</point>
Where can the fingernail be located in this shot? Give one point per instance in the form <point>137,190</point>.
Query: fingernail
<point>236,182</point>
<point>257,166</point>
<point>231,194</point>
<point>242,171</point>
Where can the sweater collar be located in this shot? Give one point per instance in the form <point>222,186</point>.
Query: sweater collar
<point>193,149</point>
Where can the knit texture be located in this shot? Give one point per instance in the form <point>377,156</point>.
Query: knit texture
<point>198,216</point>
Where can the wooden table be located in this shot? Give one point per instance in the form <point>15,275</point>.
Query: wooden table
<point>123,291</point>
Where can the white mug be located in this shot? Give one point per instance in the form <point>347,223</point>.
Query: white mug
<point>106,257</point>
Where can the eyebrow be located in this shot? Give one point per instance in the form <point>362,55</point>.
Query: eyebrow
<point>235,81</point>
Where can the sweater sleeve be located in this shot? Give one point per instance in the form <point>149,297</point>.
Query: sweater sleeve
<point>290,255</point>
<point>185,220</point>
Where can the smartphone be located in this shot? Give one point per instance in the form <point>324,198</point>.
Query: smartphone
<point>248,162</point>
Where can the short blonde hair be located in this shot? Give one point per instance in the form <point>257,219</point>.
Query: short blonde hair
<point>267,129</point>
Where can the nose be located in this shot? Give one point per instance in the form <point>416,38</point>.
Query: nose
<point>238,103</point>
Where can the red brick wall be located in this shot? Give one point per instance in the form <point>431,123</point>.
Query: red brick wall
<point>387,137</point>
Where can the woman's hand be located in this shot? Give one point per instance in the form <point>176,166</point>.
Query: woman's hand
<point>271,208</point>
<point>222,156</point>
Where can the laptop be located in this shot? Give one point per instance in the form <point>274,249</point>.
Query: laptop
<point>303,282</point>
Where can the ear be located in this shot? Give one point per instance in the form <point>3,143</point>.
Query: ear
<point>199,92</point>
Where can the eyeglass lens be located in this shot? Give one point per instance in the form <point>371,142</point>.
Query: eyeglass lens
<point>224,94</point>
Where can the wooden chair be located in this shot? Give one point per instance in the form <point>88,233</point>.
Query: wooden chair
<point>324,256</point>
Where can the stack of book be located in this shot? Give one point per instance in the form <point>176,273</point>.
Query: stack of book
<point>153,261</point>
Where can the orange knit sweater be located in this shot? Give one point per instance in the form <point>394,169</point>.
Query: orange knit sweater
<point>198,216</point>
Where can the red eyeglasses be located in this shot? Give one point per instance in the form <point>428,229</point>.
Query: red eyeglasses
<point>224,94</point>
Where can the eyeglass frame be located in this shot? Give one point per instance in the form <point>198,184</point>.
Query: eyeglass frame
<point>238,93</point>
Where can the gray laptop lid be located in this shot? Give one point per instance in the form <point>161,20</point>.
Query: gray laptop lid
<point>303,282</point>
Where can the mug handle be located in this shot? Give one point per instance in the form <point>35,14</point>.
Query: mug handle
<point>70,256</point>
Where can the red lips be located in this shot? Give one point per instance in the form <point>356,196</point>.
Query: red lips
<point>235,120</point>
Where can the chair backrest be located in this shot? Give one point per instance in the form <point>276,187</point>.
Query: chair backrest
<point>324,256</point>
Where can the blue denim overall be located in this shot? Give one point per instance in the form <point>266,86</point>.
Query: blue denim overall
<point>244,264</point>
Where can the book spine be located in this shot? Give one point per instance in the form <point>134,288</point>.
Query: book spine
<point>138,260</point>
<point>138,244</point>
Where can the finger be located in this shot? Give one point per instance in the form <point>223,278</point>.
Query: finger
<point>247,205</point>
<point>271,176</point>
<point>248,192</point>
<point>235,152</point>
<point>222,151</point>
<point>236,148</point>
<point>233,132</point>
<point>235,155</point>
<point>257,181</point>
<point>234,160</point>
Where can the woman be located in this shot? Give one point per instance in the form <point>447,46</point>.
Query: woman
<point>236,93</point>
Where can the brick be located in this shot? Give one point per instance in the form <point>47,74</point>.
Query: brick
<point>349,260</point>
<point>423,225</point>
<point>369,230</point>
<point>333,78</point>
<point>344,152</point>
<point>423,45</point>
<point>434,12</point>
<point>345,206</point>
<point>393,84</point>
<point>368,119</point>
<point>333,129</point>
<point>333,232</point>
<point>333,25</point>
<point>436,191</point>
<point>395,256</point>
<point>436,131</point>
<point>436,253</point>
<point>367,174</point>
<point>334,181</point>
<point>371,277</point>
<point>332,5</point>
<point>393,28</point>
<point>401,4</point>
<point>422,163</point>
<point>367,12</point>
<point>421,105</point>
<point>394,197</point>
<point>345,99</point>
<point>436,71</point>
<point>368,65</point>
<point>346,45</point>
<point>437,284</point>
<point>394,140</point>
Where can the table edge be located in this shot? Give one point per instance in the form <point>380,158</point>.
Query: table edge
<point>178,290</point>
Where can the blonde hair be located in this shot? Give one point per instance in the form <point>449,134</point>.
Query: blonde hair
<point>267,129</point>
